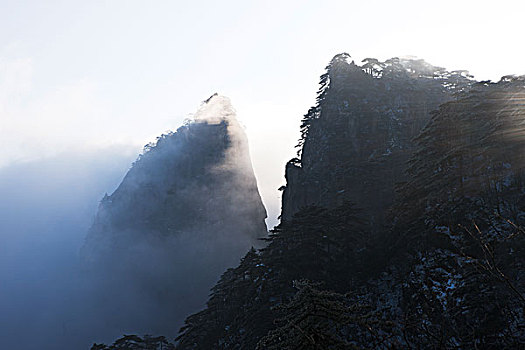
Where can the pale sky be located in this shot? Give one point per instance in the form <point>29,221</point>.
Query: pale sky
<point>77,75</point>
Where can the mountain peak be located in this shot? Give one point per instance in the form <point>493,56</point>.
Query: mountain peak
<point>187,209</point>
<point>215,109</point>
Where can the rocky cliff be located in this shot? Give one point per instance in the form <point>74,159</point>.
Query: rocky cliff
<point>357,138</point>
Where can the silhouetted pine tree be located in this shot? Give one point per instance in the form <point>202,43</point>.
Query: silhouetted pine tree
<point>319,320</point>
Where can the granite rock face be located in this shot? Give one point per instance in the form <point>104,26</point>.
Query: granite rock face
<point>357,138</point>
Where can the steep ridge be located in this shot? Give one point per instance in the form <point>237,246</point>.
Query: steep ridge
<point>187,209</point>
<point>357,138</point>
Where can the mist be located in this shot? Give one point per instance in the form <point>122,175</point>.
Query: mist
<point>79,266</point>
<point>47,205</point>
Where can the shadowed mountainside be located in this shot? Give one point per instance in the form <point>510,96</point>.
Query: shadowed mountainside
<point>445,268</point>
<point>357,138</point>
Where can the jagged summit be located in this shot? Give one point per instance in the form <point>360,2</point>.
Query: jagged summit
<point>203,162</point>
<point>215,109</point>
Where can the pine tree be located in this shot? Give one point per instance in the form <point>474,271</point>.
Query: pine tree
<point>318,320</point>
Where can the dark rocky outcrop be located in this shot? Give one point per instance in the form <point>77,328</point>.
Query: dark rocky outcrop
<point>358,137</point>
